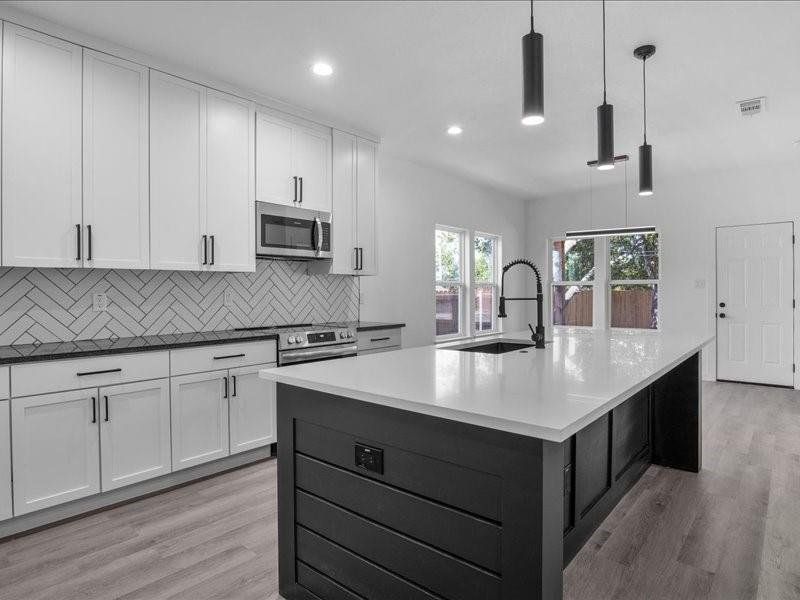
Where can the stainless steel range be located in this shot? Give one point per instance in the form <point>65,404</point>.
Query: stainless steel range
<point>308,343</point>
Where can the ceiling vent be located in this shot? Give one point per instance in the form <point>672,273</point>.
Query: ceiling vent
<point>748,108</point>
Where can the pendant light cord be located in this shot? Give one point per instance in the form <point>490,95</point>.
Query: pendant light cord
<point>644,96</point>
<point>531,16</point>
<point>604,51</point>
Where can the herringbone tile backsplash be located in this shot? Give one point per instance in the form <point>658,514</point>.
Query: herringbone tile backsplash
<point>50,305</point>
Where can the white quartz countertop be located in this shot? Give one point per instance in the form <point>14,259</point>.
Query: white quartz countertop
<point>549,394</point>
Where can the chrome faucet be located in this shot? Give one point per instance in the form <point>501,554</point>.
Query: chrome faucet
<point>537,334</point>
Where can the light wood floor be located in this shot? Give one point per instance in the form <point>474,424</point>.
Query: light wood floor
<point>731,532</point>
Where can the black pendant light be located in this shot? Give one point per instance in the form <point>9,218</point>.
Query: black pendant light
<point>532,77</point>
<point>645,150</point>
<point>605,118</point>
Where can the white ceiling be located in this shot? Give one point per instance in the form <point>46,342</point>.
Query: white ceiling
<point>407,70</point>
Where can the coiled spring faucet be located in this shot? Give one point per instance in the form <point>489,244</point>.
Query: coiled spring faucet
<point>537,334</point>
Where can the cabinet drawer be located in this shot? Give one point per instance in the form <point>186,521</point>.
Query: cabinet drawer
<point>383,338</point>
<point>225,356</point>
<point>61,375</point>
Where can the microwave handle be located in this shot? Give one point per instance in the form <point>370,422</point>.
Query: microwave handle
<point>317,235</point>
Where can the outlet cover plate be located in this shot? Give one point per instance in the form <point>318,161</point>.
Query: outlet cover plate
<point>99,302</point>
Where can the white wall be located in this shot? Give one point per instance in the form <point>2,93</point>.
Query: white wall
<point>686,210</point>
<point>413,200</point>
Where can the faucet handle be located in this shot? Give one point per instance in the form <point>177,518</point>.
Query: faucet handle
<point>533,333</point>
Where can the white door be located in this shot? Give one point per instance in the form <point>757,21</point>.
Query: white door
<point>177,172</point>
<point>5,462</point>
<point>134,432</point>
<point>115,163</point>
<point>41,144</point>
<point>252,409</point>
<point>275,179</point>
<point>312,163</point>
<point>230,189</point>
<point>755,331</point>
<point>366,188</point>
<point>55,449</point>
<point>199,419</point>
<point>343,213</point>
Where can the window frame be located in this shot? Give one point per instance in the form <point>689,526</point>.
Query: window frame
<point>612,282</point>
<point>494,284</point>
<point>553,284</point>
<point>462,284</point>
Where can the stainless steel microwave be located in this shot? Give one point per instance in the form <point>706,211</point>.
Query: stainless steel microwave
<point>292,233</point>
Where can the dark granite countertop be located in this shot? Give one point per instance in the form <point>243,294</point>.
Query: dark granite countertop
<point>81,348</point>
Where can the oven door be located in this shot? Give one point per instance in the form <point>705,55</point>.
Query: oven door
<point>304,355</point>
<point>291,232</point>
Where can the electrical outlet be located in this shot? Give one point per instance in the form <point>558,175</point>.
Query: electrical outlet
<point>227,297</point>
<point>99,302</point>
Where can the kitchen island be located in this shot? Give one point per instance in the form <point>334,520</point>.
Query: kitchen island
<point>450,473</point>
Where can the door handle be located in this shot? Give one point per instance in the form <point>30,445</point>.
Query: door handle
<point>233,380</point>
<point>722,305</point>
<point>301,190</point>
<point>94,410</point>
<point>355,258</point>
<point>225,379</point>
<point>78,238</point>
<point>205,249</point>
<point>295,187</point>
<point>318,234</point>
<point>108,418</point>
<point>89,240</point>
<point>212,249</point>
<point>360,259</point>
<point>721,315</point>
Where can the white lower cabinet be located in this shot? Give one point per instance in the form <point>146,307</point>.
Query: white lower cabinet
<point>55,449</point>
<point>5,462</point>
<point>252,409</point>
<point>199,418</point>
<point>134,432</point>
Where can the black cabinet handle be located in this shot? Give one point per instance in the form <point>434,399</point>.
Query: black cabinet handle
<point>205,249</point>
<point>722,305</point>
<point>383,339</point>
<point>301,190</point>
<point>225,379</point>
<point>361,259</point>
<point>721,315</point>
<point>233,378</point>
<point>85,373</point>
<point>108,418</point>
<point>94,410</point>
<point>355,259</point>
<point>78,238</point>
<point>295,187</point>
<point>89,239</point>
<point>212,249</point>
<point>242,355</point>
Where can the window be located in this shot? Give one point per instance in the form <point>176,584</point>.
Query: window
<point>633,279</point>
<point>485,283</point>
<point>573,270</point>
<point>450,283</point>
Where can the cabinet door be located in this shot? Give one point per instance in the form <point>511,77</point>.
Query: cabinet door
<point>366,188</point>
<point>230,188</point>
<point>252,409</point>
<point>343,210</point>
<point>115,168</point>
<point>41,144</point>
<point>177,172</point>
<point>274,169</point>
<point>5,462</point>
<point>199,419</point>
<point>134,432</point>
<point>312,162</point>
<point>55,449</point>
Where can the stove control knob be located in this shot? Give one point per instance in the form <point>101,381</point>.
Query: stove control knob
<point>299,339</point>
<point>342,335</point>
<point>291,339</point>
<point>349,334</point>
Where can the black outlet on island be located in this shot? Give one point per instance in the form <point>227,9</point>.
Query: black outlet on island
<point>369,458</point>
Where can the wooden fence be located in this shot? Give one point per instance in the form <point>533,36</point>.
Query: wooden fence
<point>629,308</point>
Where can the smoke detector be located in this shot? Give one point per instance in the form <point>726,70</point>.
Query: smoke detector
<point>748,108</point>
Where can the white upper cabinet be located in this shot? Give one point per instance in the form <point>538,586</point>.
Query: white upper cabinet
<point>55,449</point>
<point>41,150</point>
<point>230,187</point>
<point>5,462</point>
<point>134,432</point>
<point>355,166</point>
<point>177,172</point>
<point>115,163</point>
<point>293,163</point>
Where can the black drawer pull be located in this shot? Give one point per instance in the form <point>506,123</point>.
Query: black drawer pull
<point>242,355</point>
<point>383,339</point>
<point>99,372</point>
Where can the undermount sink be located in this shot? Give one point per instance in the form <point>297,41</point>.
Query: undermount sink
<point>493,347</point>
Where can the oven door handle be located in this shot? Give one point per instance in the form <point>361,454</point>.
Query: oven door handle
<point>301,355</point>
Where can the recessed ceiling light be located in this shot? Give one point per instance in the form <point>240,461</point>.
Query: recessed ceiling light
<point>533,120</point>
<point>454,130</point>
<point>322,69</point>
